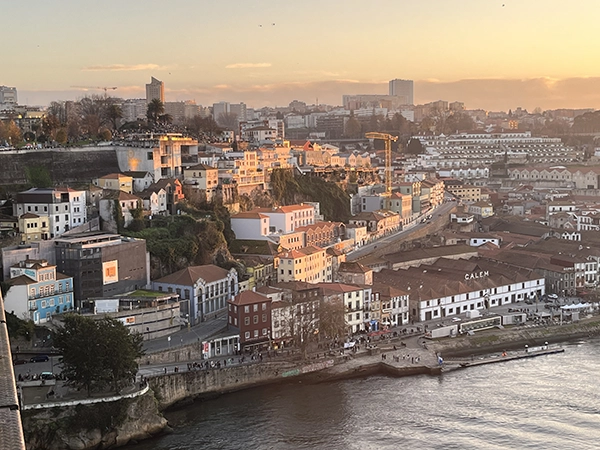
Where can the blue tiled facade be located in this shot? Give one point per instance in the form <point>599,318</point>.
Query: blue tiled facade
<point>38,292</point>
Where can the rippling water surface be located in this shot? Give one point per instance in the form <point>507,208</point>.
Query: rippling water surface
<point>549,402</point>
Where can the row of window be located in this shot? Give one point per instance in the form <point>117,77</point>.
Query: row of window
<point>49,303</point>
<point>255,334</point>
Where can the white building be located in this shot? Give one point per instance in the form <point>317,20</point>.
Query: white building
<point>353,298</point>
<point>250,225</point>
<point>206,289</point>
<point>160,155</point>
<point>8,97</point>
<point>64,207</point>
<point>155,90</point>
<point>448,288</point>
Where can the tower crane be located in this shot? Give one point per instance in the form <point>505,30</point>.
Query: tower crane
<point>104,88</point>
<point>387,138</point>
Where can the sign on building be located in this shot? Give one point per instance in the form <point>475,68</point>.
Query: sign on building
<point>110,272</point>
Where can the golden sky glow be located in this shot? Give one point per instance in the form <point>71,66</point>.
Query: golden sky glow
<point>490,54</point>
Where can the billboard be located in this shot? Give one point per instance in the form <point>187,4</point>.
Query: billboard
<point>110,272</point>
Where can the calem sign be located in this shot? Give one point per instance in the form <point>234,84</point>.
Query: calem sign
<point>477,275</point>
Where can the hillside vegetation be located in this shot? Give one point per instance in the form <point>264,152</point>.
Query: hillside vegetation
<point>289,189</point>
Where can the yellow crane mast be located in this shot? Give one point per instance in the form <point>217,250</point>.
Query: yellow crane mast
<point>387,138</point>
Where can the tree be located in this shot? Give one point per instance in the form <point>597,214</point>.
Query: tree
<point>121,349</point>
<point>11,133</point>
<point>332,318</point>
<point>458,122</point>
<point>61,136</point>
<point>165,118</point>
<point>228,120</point>
<point>114,113</point>
<point>92,114</point>
<point>50,124</point>
<point>352,129</point>
<point>155,109</point>
<point>78,341</point>
<point>301,321</point>
<point>97,353</point>
<point>105,134</point>
<point>415,147</point>
<point>38,176</point>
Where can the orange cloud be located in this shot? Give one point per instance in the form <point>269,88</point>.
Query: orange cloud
<point>247,65</point>
<point>122,67</point>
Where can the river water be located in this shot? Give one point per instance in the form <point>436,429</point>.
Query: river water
<point>548,402</point>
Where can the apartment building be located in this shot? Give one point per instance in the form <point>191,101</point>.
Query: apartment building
<point>160,155</point>
<point>37,291</point>
<point>310,264</point>
<point>64,208</point>
<point>115,182</point>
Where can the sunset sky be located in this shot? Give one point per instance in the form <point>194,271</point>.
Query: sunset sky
<point>489,54</point>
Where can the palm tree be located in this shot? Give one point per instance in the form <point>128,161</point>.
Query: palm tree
<point>155,110</point>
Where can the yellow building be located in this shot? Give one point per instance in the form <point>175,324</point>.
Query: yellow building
<point>466,192</point>
<point>33,228</point>
<point>401,204</point>
<point>116,182</point>
<point>307,264</point>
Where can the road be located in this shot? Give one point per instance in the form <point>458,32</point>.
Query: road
<point>187,336</point>
<point>365,250</point>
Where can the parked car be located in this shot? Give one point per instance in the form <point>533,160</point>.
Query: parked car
<point>18,362</point>
<point>39,358</point>
<point>456,319</point>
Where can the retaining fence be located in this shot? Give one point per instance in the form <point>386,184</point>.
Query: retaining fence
<point>87,401</point>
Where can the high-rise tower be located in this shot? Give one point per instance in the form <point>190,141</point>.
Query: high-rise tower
<point>403,88</point>
<point>156,89</point>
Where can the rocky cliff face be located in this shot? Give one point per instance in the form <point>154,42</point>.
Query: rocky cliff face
<point>96,426</point>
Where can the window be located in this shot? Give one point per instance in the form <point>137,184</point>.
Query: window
<point>255,333</point>
<point>264,317</point>
<point>247,335</point>
<point>264,331</point>
<point>255,307</point>
<point>247,309</point>
<point>264,306</point>
<point>255,319</point>
<point>246,320</point>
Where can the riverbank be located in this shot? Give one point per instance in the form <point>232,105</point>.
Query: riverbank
<point>400,357</point>
<point>404,357</point>
<point>495,340</point>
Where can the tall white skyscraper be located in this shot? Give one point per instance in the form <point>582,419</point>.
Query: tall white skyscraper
<point>156,89</point>
<point>403,88</point>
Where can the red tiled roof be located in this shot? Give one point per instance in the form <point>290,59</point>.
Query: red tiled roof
<point>189,275</point>
<point>249,298</point>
